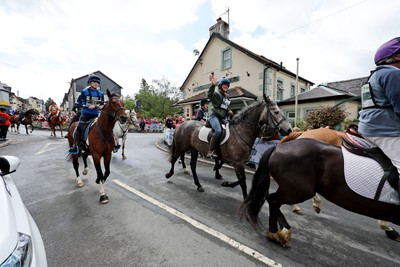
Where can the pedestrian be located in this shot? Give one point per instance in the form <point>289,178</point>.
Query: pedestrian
<point>5,122</point>
<point>202,113</point>
<point>219,111</point>
<point>91,100</point>
<point>380,99</point>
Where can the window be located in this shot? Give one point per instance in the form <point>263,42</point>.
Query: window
<point>302,90</point>
<point>292,90</point>
<point>279,90</point>
<point>226,59</point>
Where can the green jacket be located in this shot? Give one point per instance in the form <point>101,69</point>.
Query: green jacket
<point>219,102</point>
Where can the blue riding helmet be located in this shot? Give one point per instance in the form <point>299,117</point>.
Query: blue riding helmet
<point>93,78</point>
<point>224,81</point>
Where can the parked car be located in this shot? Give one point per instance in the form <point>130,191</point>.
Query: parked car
<point>20,241</point>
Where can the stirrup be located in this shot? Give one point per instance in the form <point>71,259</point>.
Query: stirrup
<point>73,150</point>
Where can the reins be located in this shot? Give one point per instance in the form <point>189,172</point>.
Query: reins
<point>107,136</point>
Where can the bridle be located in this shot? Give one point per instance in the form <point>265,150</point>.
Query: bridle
<point>113,114</point>
<point>271,130</point>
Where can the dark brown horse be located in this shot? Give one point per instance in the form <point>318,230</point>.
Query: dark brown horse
<point>27,120</point>
<point>101,141</point>
<point>243,128</point>
<point>56,120</point>
<point>302,168</point>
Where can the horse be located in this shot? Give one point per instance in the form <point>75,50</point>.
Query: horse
<point>121,130</point>
<point>334,138</point>
<point>27,120</point>
<point>302,168</point>
<point>243,128</point>
<point>56,120</point>
<point>101,142</point>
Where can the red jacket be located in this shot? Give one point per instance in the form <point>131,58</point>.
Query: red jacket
<point>7,118</point>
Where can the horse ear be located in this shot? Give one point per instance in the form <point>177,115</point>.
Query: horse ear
<point>108,93</point>
<point>266,98</point>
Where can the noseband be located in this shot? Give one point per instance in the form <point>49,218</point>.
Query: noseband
<point>113,114</point>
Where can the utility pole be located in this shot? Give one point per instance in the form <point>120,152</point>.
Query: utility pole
<point>296,93</point>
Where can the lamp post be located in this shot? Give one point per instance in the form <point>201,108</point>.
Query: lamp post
<point>296,93</point>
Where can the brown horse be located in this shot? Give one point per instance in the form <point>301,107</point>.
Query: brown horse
<point>243,129</point>
<point>334,138</point>
<point>56,120</point>
<point>27,120</point>
<point>302,168</point>
<point>101,141</point>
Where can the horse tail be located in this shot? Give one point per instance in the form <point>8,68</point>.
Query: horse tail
<point>253,203</point>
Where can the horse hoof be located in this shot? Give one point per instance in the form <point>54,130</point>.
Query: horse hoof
<point>297,210</point>
<point>200,189</point>
<point>103,199</point>
<point>393,234</point>
<point>79,184</point>
<point>317,209</point>
<point>186,171</point>
<point>226,184</point>
<point>124,157</point>
<point>84,172</point>
<point>219,177</point>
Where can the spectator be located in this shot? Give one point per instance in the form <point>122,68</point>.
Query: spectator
<point>5,122</point>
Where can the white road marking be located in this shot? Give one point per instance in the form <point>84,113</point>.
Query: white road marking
<point>249,251</point>
<point>47,148</point>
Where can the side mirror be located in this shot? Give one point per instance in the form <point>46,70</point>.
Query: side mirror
<point>8,164</point>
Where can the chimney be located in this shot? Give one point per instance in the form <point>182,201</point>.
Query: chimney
<point>220,27</point>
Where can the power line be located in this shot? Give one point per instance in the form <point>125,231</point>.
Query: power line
<point>317,20</point>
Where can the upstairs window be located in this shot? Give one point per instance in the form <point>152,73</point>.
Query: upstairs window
<point>227,59</point>
<point>279,90</point>
<point>292,90</point>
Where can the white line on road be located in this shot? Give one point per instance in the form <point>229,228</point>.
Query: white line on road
<point>47,148</point>
<point>249,251</point>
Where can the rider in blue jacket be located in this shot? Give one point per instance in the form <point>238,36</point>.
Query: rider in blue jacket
<point>380,114</point>
<point>90,101</point>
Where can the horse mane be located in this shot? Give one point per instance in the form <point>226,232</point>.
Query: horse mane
<point>245,111</point>
<point>31,112</point>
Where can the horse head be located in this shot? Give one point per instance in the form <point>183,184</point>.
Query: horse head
<point>272,120</point>
<point>114,107</point>
<point>134,118</point>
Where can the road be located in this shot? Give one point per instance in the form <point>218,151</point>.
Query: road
<point>152,221</point>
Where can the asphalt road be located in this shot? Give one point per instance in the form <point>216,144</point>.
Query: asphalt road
<point>152,221</point>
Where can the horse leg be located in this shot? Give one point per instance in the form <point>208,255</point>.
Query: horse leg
<point>389,231</point>
<point>60,126</point>
<point>194,154</point>
<point>316,203</point>
<point>26,128</point>
<point>101,178</point>
<point>282,236</point>
<point>123,147</point>
<point>182,160</point>
<point>31,127</point>
<point>174,158</point>
<point>217,167</point>
<point>75,163</point>
<point>240,174</point>
<point>85,169</point>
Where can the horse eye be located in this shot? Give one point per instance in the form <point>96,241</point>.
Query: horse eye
<point>276,112</point>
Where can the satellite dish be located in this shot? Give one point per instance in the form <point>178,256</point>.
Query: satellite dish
<point>196,52</point>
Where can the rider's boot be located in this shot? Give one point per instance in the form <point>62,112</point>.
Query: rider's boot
<point>211,150</point>
<point>77,138</point>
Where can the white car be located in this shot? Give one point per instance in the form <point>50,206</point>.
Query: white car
<point>20,241</point>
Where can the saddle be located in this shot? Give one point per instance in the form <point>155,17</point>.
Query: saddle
<point>206,132</point>
<point>84,128</point>
<point>359,146</point>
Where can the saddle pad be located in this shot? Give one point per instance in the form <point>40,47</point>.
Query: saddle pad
<point>363,175</point>
<point>203,133</point>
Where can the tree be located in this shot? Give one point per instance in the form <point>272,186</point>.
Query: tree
<point>158,98</point>
<point>326,116</point>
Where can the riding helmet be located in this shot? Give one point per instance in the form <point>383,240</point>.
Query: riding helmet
<point>204,101</point>
<point>93,78</point>
<point>224,81</point>
<point>387,50</point>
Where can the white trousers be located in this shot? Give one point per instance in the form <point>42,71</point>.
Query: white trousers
<point>390,146</point>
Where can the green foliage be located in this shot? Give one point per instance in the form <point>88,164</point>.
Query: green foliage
<point>326,116</point>
<point>302,125</point>
<point>129,103</point>
<point>158,98</point>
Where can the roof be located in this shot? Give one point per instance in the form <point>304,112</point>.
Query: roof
<point>234,93</point>
<point>260,58</point>
<point>351,86</point>
<point>96,72</point>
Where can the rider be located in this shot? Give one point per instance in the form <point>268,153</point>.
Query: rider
<point>219,110</point>
<point>91,100</point>
<point>380,114</point>
<point>53,109</point>
<point>202,113</point>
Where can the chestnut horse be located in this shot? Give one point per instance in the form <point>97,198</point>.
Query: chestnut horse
<point>334,138</point>
<point>27,120</point>
<point>244,128</point>
<point>56,120</point>
<point>302,168</point>
<point>101,141</point>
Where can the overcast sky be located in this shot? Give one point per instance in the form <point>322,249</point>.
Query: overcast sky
<point>44,43</point>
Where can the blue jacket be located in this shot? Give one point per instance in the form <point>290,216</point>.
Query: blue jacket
<point>90,96</point>
<point>383,120</point>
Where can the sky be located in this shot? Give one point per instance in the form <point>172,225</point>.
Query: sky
<point>44,43</point>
